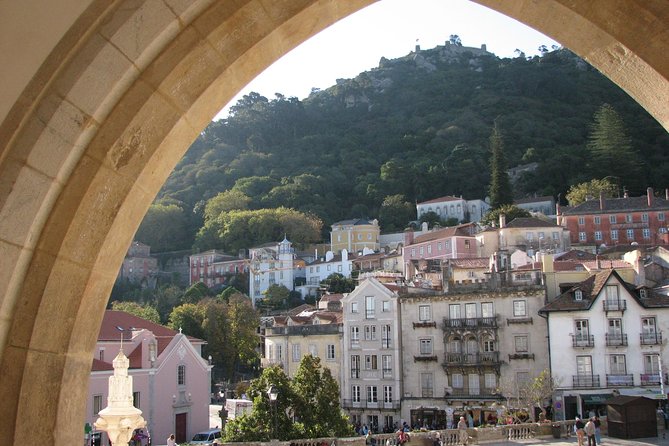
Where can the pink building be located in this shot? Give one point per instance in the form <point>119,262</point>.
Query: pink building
<point>214,268</point>
<point>171,380</point>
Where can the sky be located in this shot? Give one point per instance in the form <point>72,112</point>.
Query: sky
<point>390,29</point>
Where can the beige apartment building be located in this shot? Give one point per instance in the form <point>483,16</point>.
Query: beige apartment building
<point>357,236</point>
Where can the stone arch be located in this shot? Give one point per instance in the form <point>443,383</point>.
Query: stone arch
<point>102,100</point>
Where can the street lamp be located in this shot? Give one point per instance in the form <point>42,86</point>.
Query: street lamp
<point>273,394</point>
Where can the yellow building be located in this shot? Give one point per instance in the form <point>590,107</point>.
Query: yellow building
<point>355,235</point>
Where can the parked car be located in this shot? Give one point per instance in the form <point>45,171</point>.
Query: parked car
<point>206,438</point>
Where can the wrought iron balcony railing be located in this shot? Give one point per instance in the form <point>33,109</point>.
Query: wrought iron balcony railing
<point>474,322</point>
<point>616,339</point>
<point>581,340</point>
<point>585,381</point>
<point>651,338</point>
<point>472,359</point>
<point>619,380</point>
<point>615,305</point>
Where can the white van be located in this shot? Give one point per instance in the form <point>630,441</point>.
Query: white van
<point>206,438</point>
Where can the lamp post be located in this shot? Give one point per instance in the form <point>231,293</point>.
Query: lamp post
<point>273,394</point>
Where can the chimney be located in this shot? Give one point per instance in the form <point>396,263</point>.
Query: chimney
<point>649,192</point>
<point>602,201</point>
<point>502,221</point>
<point>408,236</point>
<point>666,194</point>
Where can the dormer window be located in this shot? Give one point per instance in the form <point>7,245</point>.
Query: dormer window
<point>578,295</point>
<point>643,293</point>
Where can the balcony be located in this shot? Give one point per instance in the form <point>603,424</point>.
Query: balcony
<point>304,330</point>
<point>616,340</point>
<point>425,358</point>
<point>470,323</point>
<point>585,381</point>
<point>652,379</point>
<point>472,359</point>
<point>364,404</point>
<point>425,324</point>
<point>615,305</point>
<point>619,380</point>
<point>521,356</point>
<point>471,393</point>
<point>651,338</point>
<point>582,340</point>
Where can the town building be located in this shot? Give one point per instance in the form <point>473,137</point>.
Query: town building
<point>355,236</point>
<point>439,244</point>
<point>605,339</point>
<point>529,234</point>
<point>466,351</point>
<point>171,380</point>
<point>537,205</point>
<point>448,207</point>
<point>271,264</point>
<point>319,270</point>
<point>607,222</point>
<point>372,376</point>
<point>214,268</point>
<point>138,265</point>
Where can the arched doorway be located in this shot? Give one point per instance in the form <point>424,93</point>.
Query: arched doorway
<point>101,100</point>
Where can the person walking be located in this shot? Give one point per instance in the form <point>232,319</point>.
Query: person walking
<point>598,430</point>
<point>462,431</point>
<point>590,431</point>
<point>171,441</point>
<point>580,433</point>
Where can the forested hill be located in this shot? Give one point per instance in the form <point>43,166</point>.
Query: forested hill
<point>417,126</point>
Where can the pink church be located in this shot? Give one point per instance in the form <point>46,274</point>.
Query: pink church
<point>171,380</point>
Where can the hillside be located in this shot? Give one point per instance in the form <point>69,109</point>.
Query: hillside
<point>416,126</point>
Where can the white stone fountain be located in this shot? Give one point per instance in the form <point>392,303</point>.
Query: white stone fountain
<point>120,418</point>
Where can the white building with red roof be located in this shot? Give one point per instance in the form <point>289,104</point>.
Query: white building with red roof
<point>171,380</point>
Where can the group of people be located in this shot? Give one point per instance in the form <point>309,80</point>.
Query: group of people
<point>590,430</point>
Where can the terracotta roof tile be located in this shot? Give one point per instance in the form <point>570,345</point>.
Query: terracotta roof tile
<point>617,205</point>
<point>530,222</point>
<point>441,199</point>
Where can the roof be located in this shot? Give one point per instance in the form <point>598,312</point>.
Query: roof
<point>530,222</point>
<point>451,231</point>
<point>99,366</point>
<point>113,319</point>
<point>575,254</point>
<point>478,262</point>
<point>533,199</point>
<point>617,205</point>
<point>441,199</point>
<point>353,222</point>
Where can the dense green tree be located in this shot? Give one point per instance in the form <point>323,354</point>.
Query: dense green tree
<point>500,186</point>
<point>612,150</point>
<point>165,228</point>
<point>144,311</point>
<point>229,200</point>
<point>509,211</point>
<point>188,319</point>
<point>337,283</point>
<point>578,193</point>
<point>243,321</point>
<point>276,297</point>
<point>396,212</point>
<point>431,218</point>
<point>196,292</point>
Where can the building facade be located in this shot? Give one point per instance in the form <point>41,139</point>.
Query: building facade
<point>356,235</point>
<point>138,265</point>
<point>454,207</point>
<point>530,235</point>
<point>271,264</point>
<point>214,268</point>
<point>171,380</point>
<point>371,370</point>
<point>606,339</point>
<point>618,221</point>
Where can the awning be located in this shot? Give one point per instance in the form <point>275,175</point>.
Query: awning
<point>596,398</point>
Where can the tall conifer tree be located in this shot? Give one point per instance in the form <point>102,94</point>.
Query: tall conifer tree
<point>500,186</point>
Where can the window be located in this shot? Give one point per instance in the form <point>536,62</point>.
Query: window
<point>522,378</point>
<point>97,404</point>
<point>355,366</point>
<point>424,313</point>
<point>387,365</point>
<point>467,244</point>
<point>370,332</point>
<point>371,362</point>
<point>519,308</point>
<point>488,345</point>
<point>425,346</point>
<point>615,328</point>
<point>651,364</point>
<point>421,250</point>
<point>490,381</point>
<point>581,221</point>
<point>630,234</point>
<point>136,399</point>
<point>598,235</point>
<point>101,354</point>
<point>470,311</point>
<point>355,336</point>
<point>612,292</point>
<point>297,354</point>
<point>457,381</point>
<point>429,249</point>
<point>645,232</point>
<point>454,311</point>
<point>578,295</point>
<point>330,352</point>
<point>529,236</point>
<point>455,345</point>
<point>660,216</point>
<point>643,293</point>
<point>614,234</point>
<point>385,306</point>
<point>338,268</point>
<point>612,218</point>
<point>438,246</point>
<point>369,307</point>
<point>372,396</point>
<point>584,365</point>
<point>387,394</point>
<point>617,365</point>
<point>521,344</point>
<point>413,252</point>
<point>313,350</point>
<point>644,217</point>
<point>628,218</point>
<point>582,329</point>
<point>355,394</point>
<point>181,375</point>
<point>598,220</point>
<point>354,307</point>
<point>582,237</point>
<point>556,236</point>
<point>385,336</point>
<point>474,384</point>
<point>487,309</point>
<point>426,385</point>
<point>329,267</point>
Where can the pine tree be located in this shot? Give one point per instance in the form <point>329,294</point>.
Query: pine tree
<point>500,186</point>
<point>611,148</point>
